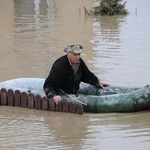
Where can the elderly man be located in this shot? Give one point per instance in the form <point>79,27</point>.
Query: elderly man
<point>67,73</point>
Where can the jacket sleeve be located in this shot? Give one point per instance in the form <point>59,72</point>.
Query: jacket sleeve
<point>53,82</point>
<point>88,76</point>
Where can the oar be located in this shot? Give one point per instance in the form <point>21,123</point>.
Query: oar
<point>73,98</point>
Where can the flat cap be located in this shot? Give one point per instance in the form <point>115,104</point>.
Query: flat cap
<point>73,48</point>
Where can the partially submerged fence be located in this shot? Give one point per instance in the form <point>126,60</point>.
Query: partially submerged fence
<point>22,99</point>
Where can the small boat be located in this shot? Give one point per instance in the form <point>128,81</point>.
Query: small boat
<point>94,100</point>
<point>115,99</point>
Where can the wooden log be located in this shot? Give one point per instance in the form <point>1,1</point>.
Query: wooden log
<point>52,105</point>
<point>59,106</point>
<point>72,108</point>
<point>65,106</point>
<point>4,100</point>
<point>17,98</point>
<point>24,101</point>
<point>38,102</point>
<point>31,102</point>
<point>79,109</point>
<point>11,100</point>
<point>45,104</point>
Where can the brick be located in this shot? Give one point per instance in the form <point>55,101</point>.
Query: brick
<point>17,98</point>
<point>11,99</point>
<point>38,102</point>
<point>72,108</point>
<point>45,104</point>
<point>52,105</point>
<point>59,106</point>
<point>79,109</point>
<point>4,100</point>
<point>31,102</point>
<point>65,106</point>
<point>24,101</point>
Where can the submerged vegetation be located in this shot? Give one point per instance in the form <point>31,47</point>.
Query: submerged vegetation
<point>108,7</point>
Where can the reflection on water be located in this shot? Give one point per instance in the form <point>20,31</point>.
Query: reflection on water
<point>118,131</point>
<point>116,48</point>
<point>34,21</point>
<point>34,24</point>
<point>121,46</point>
<point>107,42</point>
<point>33,34</point>
<point>30,129</point>
<point>34,129</point>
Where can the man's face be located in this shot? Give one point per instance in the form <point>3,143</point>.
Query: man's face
<point>74,57</point>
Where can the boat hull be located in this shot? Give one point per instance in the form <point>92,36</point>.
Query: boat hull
<point>125,99</point>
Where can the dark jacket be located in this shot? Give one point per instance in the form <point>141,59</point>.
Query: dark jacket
<point>62,77</point>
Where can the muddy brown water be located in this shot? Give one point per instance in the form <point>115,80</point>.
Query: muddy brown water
<point>33,33</point>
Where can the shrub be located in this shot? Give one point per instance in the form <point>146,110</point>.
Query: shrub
<point>110,7</point>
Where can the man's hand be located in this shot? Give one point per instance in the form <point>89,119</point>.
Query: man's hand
<point>57,99</point>
<point>103,85</point>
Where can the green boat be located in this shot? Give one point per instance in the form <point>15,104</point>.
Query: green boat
<point>94,100</point>
<point>115,99</point>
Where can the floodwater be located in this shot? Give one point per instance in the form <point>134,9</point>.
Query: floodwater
<point>33,33</point>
